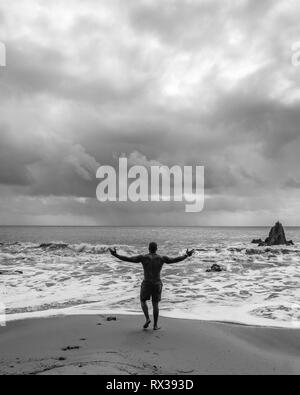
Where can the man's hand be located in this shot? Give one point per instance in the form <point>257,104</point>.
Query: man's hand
<point>113,251</point>
<point>189,253</point>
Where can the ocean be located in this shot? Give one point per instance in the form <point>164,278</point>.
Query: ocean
<point>68,270</point>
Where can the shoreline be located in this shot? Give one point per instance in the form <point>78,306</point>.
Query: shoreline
<point>137,315</point>
<point>92,310</point>
<point>90,344</point>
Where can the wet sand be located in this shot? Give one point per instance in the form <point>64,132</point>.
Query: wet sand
<point>93,345</point>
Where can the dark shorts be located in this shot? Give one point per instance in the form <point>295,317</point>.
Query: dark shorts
<point>151,291</point>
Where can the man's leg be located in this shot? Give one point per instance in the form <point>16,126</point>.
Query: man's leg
<point>156,315</point>
<point>146,312</point>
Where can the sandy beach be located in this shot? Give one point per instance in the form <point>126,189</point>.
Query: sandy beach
<point>92,345</point>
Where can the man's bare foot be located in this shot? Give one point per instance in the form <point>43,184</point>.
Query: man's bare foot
<point>156,328</point>
<point>148,322</point>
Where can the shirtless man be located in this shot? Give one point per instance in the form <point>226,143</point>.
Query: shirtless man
<point>152,285</point>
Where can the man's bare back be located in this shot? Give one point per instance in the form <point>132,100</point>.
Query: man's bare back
<point>152,264</point>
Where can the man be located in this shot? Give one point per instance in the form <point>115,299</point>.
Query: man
<point>152,285</point>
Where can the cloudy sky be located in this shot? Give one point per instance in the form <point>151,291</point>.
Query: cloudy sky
<point>189,82</point>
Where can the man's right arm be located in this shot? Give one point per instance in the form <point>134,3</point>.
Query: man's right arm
<point>134,259</point>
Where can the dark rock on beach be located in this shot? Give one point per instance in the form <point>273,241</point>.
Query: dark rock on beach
<point>276,237</point>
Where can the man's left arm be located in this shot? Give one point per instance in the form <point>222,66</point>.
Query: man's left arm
<point>170,261</point>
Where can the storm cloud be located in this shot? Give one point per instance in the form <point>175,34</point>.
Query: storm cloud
<point>188,82</point>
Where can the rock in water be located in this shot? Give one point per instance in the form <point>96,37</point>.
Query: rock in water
<point>257,241</point>
<point>276,237</point>
<point>215,268</point>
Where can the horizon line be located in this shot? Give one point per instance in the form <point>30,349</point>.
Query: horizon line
<point>144,226</point>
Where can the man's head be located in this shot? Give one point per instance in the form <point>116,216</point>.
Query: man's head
<point>152,248</point>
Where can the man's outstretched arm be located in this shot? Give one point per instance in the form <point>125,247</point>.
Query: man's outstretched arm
<point>169,261</point>
<point>134,259</point>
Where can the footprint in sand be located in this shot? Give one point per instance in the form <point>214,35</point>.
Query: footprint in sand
<point>185,371</point>
<point>110,319</point>
<point>70,348</point>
